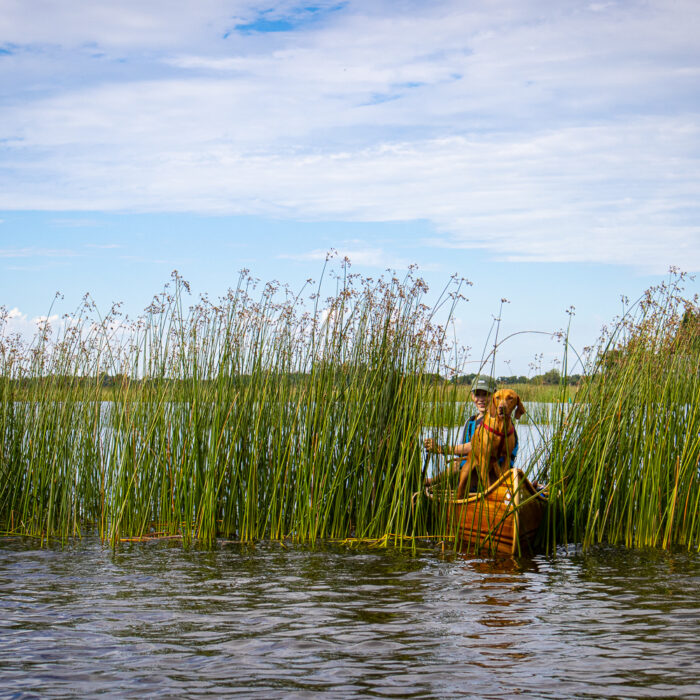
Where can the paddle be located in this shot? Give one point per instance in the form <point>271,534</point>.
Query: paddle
<point>416,496</point>
<point>425,468</point>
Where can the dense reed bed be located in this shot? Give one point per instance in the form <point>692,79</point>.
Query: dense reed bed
<point>624,461</point>
<point>264,415</point>
<point>269,414</point>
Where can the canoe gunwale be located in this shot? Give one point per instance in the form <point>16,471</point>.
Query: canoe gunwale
<point>502,519</point>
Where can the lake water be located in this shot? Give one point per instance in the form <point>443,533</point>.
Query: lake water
<point>531,438</point>
<point>153,620</point>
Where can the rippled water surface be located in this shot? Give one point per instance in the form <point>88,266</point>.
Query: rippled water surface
<point>153,620</point>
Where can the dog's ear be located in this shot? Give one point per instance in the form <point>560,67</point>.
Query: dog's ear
<point>519,409</point>
<point>493,406</point>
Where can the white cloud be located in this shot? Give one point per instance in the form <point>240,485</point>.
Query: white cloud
<point>33,252</point>
<point>76,223</point>
<point>537,130</point>
<point>128,25</point>
<point>16,322</point>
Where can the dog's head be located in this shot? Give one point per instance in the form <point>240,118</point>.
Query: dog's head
<point>504,402</point>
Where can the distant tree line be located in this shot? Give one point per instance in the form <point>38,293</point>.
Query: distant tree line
<point>551,377</point>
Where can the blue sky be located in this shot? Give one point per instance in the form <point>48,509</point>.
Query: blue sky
<point>547,151</point>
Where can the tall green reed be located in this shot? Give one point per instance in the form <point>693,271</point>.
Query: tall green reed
<point>272,414</point>
<point>244,418</point>
<point>624,461</point>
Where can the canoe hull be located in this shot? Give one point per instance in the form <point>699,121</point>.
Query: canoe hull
<point>502,521</point>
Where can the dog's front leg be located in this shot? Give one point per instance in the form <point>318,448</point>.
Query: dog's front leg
<point>464,478</point>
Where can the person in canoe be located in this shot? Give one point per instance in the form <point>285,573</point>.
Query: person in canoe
<point>482,391</point>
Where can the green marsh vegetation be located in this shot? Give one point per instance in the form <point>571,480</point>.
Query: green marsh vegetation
<point>300,416</point>
<point>264,415</point>
<point>623,462</point>
<point>620,446</point>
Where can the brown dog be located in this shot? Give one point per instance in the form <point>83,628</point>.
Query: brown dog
<point>494,438</point>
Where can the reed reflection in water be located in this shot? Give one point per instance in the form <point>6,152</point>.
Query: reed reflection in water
<point>154,620</point>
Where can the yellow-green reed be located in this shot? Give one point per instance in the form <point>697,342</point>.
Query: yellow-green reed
<point>246,418</point>
<point>624,461</point>
<point>622,450</point>
<point>263,416</point>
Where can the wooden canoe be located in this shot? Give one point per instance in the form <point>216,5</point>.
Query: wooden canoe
<point>502,520</point>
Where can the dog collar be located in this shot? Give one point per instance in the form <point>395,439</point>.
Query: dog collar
<point>497,432</point>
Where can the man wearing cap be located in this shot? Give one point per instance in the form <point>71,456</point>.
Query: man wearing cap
<point>482,389</point>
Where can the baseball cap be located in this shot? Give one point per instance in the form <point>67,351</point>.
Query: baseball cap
<point>484,383</point>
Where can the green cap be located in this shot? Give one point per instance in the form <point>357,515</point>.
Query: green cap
<point>484,383</point>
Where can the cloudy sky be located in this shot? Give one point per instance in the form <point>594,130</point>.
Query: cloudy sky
<point>547,150</point>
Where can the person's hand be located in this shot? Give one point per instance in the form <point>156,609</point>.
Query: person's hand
<point>431,445</point>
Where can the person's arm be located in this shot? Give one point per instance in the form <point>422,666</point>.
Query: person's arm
<point>458,450</point>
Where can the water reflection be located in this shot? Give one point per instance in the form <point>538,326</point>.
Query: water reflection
<point>154,620</point>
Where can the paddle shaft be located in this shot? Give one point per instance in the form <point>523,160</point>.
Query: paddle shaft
<point>425,467</point>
